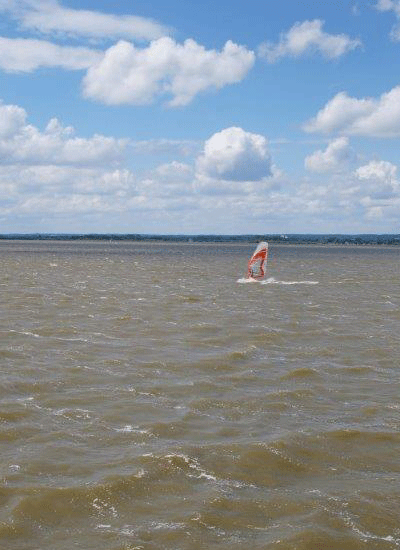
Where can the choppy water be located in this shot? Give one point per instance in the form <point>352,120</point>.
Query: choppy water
<point>150,400</point>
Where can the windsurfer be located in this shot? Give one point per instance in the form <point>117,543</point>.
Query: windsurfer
<point>255,268</point>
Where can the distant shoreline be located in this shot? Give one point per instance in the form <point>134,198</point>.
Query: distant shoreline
<point>305,239</point>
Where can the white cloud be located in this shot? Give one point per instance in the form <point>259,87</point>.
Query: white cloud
<point>27,55</point>
<point>364,117</point>
<point>174,171</point>
<point>54,198</point>
<point>50,17</point>
<point>235,155</point>
<point>12,119</point>
<point>55,179</point>
<point>354,202</point>
<point>172,180</point>
<point>380,195</point>
<point>123,73</point>
<point>388,5</point>
<point>129,75</point>
<point>340,113</point>
<point>391,5</point>
<point>377,170</point>
<point>335,157</point>
<point>379,180</point>
<point>54,172</point>
<point>67,204</point>
<point>24,143</point>
<point>305,38</point>
<point>119,182</point>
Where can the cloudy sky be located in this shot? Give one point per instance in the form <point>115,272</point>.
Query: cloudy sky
<point>199,117</point>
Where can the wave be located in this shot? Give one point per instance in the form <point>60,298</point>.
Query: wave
<point>272,280</point>
<point>282,494</point>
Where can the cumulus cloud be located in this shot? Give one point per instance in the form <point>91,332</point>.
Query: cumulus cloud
<point>123,73</point>
<point>231,177</point>
<point>364,200</point>
<point>381,179</point>
<point>129,75</point>
<point>54,172</point>
<point>58,196</point>
<point>379,170</point>
<point>50,17</point>
<point>380,190</point>
<point>364,117</point>
<point>336,156</point>
<point>55,179</point>
<point>66,204</point>
<point>235,155</point>
<point>340,113</point>
<point>305,38</point>
<point>174,171</point>
<point>27,55</point>
<point>12,119</point>
<point>169,180</point>
<point>24,143</point>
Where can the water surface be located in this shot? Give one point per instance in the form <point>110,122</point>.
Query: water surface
<point>151,399</point>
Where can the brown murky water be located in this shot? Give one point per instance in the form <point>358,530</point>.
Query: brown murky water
<point>151,400</point>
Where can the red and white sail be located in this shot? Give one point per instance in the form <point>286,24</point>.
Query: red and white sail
<point>258,261</point>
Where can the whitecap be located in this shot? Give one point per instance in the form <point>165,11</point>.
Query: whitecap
<point>132,429</point>
<point>247,280</point>
<point>194,465</point>
<point>271,280</point>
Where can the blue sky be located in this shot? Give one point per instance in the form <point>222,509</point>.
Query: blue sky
<point>189,117</point>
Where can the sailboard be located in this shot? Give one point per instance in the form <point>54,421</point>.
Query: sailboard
<point>258,261</point>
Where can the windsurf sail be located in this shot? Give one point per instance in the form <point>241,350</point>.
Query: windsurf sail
<point>258,261</point>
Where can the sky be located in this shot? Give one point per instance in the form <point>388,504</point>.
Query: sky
<point>187,117</point>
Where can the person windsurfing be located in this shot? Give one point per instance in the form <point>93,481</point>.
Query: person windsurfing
<point>255,268</point>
